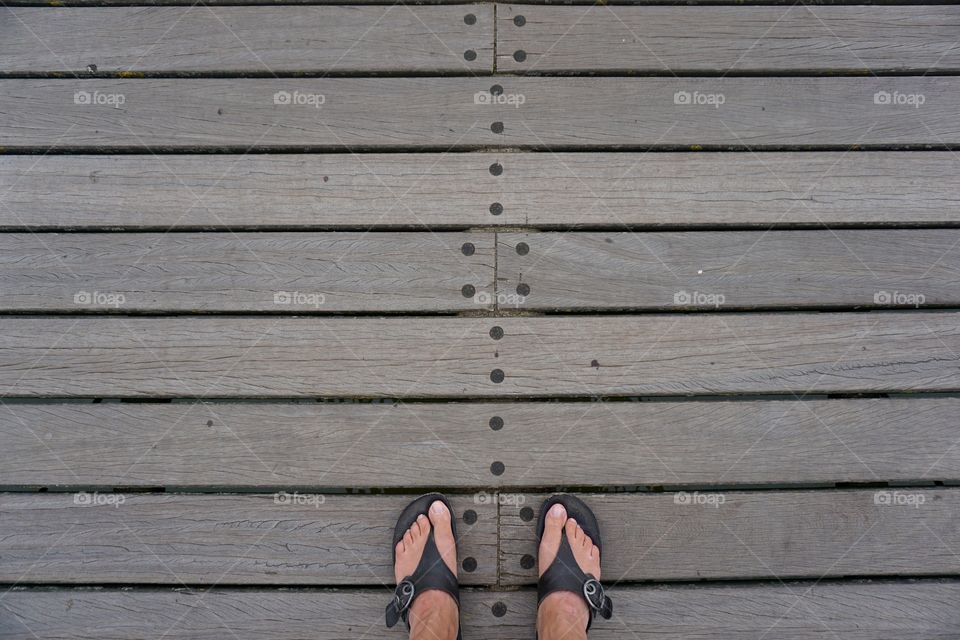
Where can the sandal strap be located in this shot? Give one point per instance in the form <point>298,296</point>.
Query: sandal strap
<point>564,574</point>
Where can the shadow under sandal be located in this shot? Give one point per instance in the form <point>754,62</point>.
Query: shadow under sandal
<point>431,572</point>
<point>564,574</point>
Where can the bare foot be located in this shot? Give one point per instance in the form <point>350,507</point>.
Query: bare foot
<point>564,614</point>
<point>433,614</point>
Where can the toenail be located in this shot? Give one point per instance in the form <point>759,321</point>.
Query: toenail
<point>469,564</point>
<point>437,507</point>
<point>527,561</point>
<point>556,510</point>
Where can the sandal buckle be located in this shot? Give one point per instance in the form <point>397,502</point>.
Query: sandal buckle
<point>597,599</point>
<point>402,598</point>
<point>404,595</point>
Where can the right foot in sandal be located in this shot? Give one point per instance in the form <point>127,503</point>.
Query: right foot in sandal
<point>565,614</point>
<point>434,614</point>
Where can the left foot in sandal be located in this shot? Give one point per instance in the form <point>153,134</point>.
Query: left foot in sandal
<point>434,614</point>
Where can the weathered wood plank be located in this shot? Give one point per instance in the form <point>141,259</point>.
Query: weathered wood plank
<point>189,113</point>
<point>258,357</point>
<point>213,3</point>
<point>712,189</point>
<point>398,113</point>
<point>329,39</point>
<point>771,534</point>
<point>859,610</point>
<point>446,357</point>
<point>458,190</point>
<point>277,272</point>
<point>786,269</point>
<point>727,39</point>
<point>277,190</point>
<point>261,614</point>
<point>284,538</point>
<point>452,445</point>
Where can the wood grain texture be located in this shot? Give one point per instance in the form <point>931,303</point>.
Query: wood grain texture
<point>756,112</point>
<point>446,357</point>
<point>724,39</point>
<point>859,610</point>
<point>692,444</point>
<point>356,113</point>
<point>261,614</point>
<point>683,271</point>
<point>730,353</point>
<point>329,39</point>
<point>276,272</point>
<point>249,191</point>
<point>219,539</point>
<point>213,3</point>
<point>400,113</point>
<point>713,189</point>
<point>256,357</point>
<point>457,189</point>
<point>778,535</point>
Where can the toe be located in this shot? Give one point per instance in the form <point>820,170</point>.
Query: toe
<point>550,542</point>
<point>594,552</point>
<point>408,539</point>
<point>585,540</point>
<point>572,531</point>
<point>441,518</point>
<point>400,546</point>
<point>439,515</point>
<point>421,527</point>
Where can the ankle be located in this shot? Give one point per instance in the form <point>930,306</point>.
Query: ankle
<point>562,614</point>
<point>434,616</point>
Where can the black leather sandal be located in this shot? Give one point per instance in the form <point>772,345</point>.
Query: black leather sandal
<point>564,574</point>
<point>431,572</point>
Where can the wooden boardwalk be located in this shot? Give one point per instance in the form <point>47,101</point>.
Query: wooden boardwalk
<point>270,268</point>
